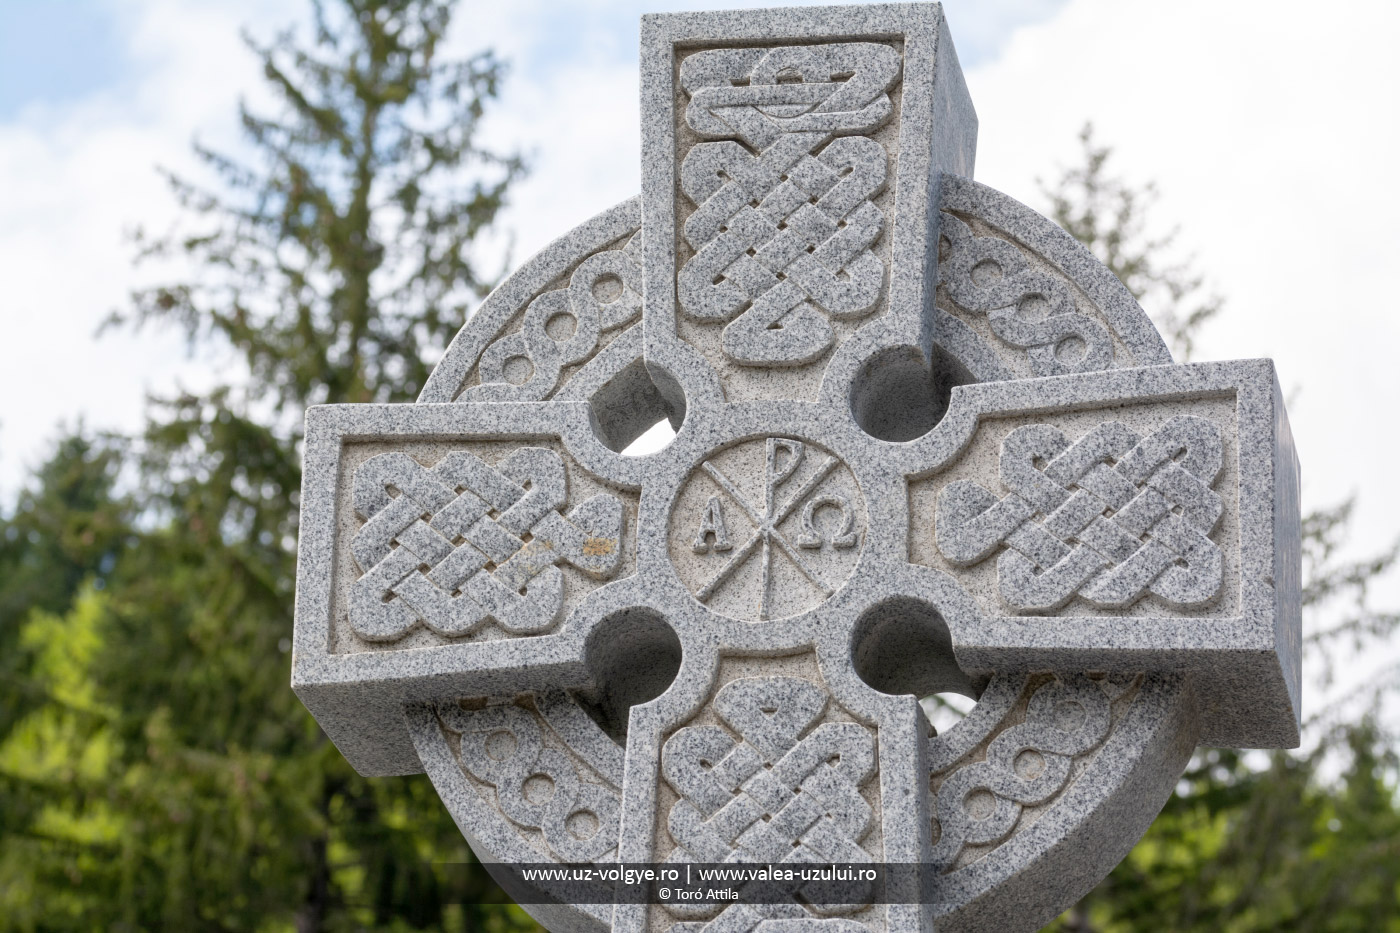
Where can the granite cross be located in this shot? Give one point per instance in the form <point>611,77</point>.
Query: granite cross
<point>925,444</point>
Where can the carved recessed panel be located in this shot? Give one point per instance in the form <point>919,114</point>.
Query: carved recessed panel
<point>528,775</point>
<point>1022,304</point>
<point>1128,511</point>
<point>786,161</point>
<point>1035,736</point>
<point>767,528</point>
<point>441,543</point>
<point>771,770</point>
<point>562,328</point>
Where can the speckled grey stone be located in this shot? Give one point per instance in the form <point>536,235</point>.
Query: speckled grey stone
<point>910,122</point>
<point>1001,487</point>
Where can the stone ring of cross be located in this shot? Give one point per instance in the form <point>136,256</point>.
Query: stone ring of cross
<point>925,444</point>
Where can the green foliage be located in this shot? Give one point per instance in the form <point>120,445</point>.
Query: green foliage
<point>156,772</point>
<point>336,260</point>
<point>66,530</point>
<point>1241,846</point>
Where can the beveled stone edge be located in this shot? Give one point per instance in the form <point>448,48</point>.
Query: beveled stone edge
<point>517,289</point>
<point>1248,662</point>
<point>914,234</point>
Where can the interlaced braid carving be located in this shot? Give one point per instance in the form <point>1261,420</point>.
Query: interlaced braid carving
<point>444,546</point>
<point>1110,517</point>
<point>1026,765</point>
<point>503,746</point>
<point>563,326</point>
<point>785,232</point>
<point>1024,308</point>
<point>777,794</point>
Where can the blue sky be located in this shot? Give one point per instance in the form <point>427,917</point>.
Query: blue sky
<point>1272,130</point>
<point>57,50</point>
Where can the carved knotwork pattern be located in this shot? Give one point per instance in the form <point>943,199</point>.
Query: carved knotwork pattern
<point>455,545</point>
<point>779,792</point>
<point>1110,517</point>
<point>783,226</point>
<point>1026,765</point>
<point>563,327</point>
<point>537,786</point>
<point>1024,308</point>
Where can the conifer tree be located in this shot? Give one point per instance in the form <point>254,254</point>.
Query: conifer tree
<point>1264,842</point>
<point>168,777</point>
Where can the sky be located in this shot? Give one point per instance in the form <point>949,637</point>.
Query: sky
<point>1271,129</point>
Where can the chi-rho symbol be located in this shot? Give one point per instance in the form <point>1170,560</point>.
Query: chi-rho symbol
<point>775,550</point>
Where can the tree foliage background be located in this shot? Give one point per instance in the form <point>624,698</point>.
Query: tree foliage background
<point>156,772</point>
<point>1289,840</point>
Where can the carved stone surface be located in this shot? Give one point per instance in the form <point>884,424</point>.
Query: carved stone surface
<point>463,542</point>
<point>926,444</point>
<point>777,528</point>
<point>1139,519</point>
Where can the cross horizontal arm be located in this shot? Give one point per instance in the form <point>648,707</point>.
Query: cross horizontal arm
<point>1140,519</point>
<point>442,547</point>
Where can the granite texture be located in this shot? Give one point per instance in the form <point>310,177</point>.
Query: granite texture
<point>926,444</point>
<point>774,239</point>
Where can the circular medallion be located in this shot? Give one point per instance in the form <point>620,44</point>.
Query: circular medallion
<point>767,528</point>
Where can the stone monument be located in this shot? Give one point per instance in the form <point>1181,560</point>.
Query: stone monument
<point>926,444</point>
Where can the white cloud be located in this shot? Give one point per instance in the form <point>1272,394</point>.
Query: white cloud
<point>1270,128</point>
<point>77,176</point>
<point>1273,132</point>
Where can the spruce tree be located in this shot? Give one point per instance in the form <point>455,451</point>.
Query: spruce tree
<point>1258,842</point>
<point>329,259</point>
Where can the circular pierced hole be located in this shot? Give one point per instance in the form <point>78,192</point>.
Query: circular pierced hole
<point>561,326</point>
<point>518,370</point>
<point>538,789</point>
<point>635,415</point>
<point>633,656</point>
<point>945,710</point>
<point>583,825</point>
<point>902,646</point>
<point>898,397</point>
<point>500,745</point>
<point>607,288</point>
<point>651,440</point>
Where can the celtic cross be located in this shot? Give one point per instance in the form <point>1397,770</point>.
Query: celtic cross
<point>925,444</point>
